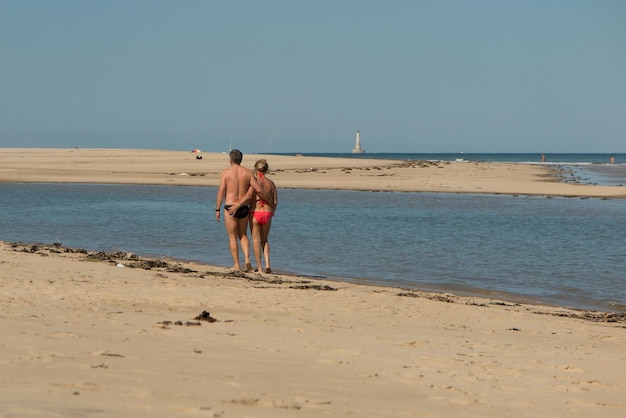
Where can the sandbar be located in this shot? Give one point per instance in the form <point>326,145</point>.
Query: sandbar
<point>181,168</point>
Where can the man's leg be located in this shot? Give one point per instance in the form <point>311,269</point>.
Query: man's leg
<point>242,225</point>
<point>232,228</point>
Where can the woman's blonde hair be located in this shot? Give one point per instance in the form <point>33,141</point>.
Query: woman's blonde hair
<point>261,166</point>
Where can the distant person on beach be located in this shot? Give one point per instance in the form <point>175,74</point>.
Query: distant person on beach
<point>235,181</point>
<point>612,159</point>
<point>543,158</point>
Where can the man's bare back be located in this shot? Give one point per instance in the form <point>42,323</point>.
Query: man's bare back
<point>236,181</point>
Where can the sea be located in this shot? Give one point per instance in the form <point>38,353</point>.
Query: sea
<point>560,251</point>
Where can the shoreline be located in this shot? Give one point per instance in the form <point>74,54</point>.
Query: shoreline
<point>462,291</point>
<point>170,338</point>
<point>175,265</point>
<point>437,290</point>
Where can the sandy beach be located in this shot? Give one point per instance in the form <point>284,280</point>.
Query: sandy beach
<point>108,335</point>
<point>183,168</point>
<point>83,336</point>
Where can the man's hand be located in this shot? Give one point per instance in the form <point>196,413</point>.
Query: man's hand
<point>233,209</point>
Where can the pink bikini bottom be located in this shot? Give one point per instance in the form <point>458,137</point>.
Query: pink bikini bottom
<point>262,217</point>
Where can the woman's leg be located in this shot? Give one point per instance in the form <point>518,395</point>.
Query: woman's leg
<point>265,232</point>
<point>256,243</point>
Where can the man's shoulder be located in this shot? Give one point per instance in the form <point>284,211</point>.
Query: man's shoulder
<point>245,170</point>
<point>230,169</point>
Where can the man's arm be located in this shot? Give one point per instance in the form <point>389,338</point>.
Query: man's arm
<point>221,193</point>
<point>275,198</point>
<point>257,188</point>
<point>243,201</point>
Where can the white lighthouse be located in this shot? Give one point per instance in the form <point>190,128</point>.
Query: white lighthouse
<point>357,149</point>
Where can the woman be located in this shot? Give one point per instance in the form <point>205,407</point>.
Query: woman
<point>261,213</point>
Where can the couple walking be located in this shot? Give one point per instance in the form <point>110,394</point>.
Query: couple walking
<point>250,198</point>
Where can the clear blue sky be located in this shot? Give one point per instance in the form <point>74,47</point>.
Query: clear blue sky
<point>303,76</point>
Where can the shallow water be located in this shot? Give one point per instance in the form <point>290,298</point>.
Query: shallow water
<point>564,251</point>
<point>598,174</point>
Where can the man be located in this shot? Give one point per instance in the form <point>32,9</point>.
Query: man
<point>234,184</point>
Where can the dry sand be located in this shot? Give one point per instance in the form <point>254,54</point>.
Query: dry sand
<point>82,337</point>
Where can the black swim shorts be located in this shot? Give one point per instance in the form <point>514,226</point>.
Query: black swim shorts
<point>241,213</point>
